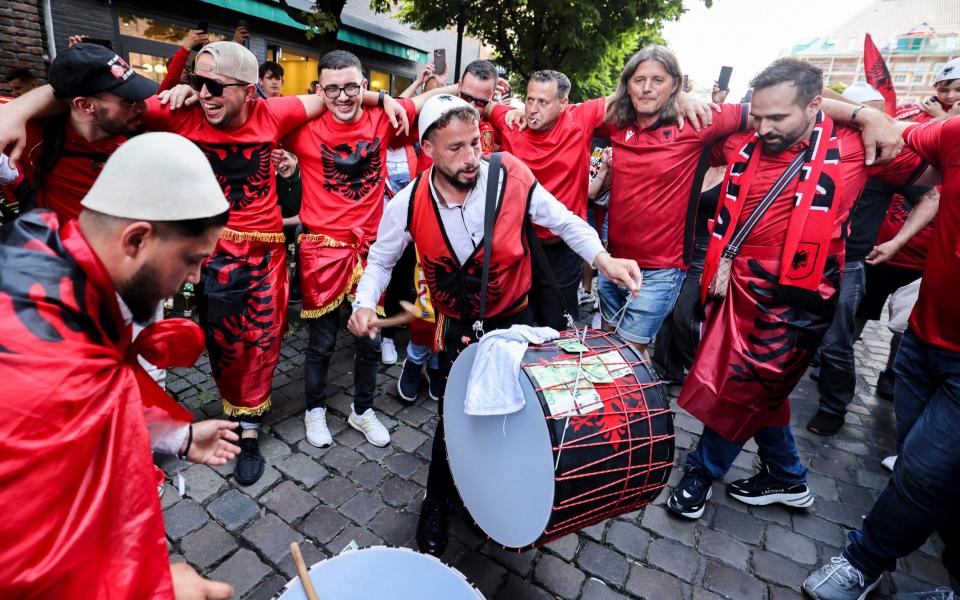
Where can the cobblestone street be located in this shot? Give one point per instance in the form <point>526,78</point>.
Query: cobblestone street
<point>353,491</point>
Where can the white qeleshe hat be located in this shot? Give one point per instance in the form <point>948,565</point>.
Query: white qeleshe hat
<point>436,107</point>
<point>157,177</point>
<point>949,71</point>
<point>862,92</point>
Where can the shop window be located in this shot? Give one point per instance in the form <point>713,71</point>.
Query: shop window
<point>151,67</point>
<point>400,83</point>
<point>379,81</point>
<point>148,28</point>
<point>299,69</point>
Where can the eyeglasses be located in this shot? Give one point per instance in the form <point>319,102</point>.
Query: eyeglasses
<point>214,87</point>
<point>121,101</point>
<point>333,91</point>
<point>474,100</point>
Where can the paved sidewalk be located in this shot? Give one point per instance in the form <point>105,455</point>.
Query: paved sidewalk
<point>354,491</point>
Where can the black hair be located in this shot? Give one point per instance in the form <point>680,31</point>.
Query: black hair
<point>547,75</point>
<point>482,70</point>
<point>271,67</point>
<point>339,59</point>
<point>806,78</point>
<point>190,228</point>
<point>21,74</point>
<point>461,113</point>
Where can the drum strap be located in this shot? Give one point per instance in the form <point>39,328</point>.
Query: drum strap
<point>489,216</point>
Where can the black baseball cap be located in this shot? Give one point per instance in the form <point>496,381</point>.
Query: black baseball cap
<point>89,69</point>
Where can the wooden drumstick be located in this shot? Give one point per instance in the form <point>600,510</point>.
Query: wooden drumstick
<point>302,571</point>
<point>408,314</point>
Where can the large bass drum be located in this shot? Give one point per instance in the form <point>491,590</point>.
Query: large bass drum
<point>382,573</point>
<point>594,440</point>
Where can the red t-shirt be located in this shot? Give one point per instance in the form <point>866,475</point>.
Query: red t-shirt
<point>913,255</point>
<point>343,168</point>
<point>653,172</point>
<point>772,228</point>
<point>240,156</point>
<point>72,175</point>
<point>936,316</point>
<point>560,157</point>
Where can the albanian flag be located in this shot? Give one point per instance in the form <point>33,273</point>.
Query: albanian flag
<point>81,516</point>
<point>878,75</point>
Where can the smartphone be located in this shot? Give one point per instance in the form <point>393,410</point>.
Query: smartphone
<point>440,60</point>
<point>242,23</point>
<point>724,80</point>
<point>203,26</point>
<point>99,41</point>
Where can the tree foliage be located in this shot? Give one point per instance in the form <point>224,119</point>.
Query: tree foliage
<point>588,40</point>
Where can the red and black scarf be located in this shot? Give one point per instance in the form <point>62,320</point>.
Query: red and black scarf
<point>811,221</point>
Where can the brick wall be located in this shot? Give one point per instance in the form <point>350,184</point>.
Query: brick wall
<point>21,40</point>
<point>81,17</point>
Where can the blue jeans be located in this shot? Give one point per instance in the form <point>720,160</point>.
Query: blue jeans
<point>838,375</point>
<point>644,315</point>
<point>715,454</point>
<point>418,354</point>
<point>924,491</point>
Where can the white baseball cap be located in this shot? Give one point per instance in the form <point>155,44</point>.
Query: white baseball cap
<point>436,107</point>
<point>230,59</point>
<point>862,92</point>
<point>157,177</point>
<point>949,71</point>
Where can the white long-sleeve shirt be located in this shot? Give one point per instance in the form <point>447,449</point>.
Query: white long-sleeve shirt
<point>464,226</point>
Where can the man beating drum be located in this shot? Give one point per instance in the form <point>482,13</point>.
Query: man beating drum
<point>477,268</point>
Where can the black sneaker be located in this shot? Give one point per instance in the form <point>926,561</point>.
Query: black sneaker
<point>435,383</point>
<point>690,496</point>
<point>408,386</point>
<point>250,463</point>
<point>825,423</point>
<point>885,384</point>
<point>763,489</point>
<point>432,527</point>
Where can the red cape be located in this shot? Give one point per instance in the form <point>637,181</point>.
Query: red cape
<point>81,512</point>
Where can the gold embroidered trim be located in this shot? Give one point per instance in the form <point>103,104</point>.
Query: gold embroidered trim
<point>246,236</point>
<point>239,411</point>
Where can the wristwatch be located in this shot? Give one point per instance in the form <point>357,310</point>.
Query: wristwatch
<point>380,98</point>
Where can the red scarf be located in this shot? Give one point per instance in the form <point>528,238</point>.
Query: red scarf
<point>81,514</point>
<point>811,221</point>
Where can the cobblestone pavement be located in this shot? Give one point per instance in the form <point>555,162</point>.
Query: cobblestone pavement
<point>326,498</point>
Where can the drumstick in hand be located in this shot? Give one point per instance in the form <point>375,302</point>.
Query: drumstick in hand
<point>408,314</point>
<point>302,571</point>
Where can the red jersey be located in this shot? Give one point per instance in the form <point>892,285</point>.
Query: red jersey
<point>853,174</point>
<point>936,316</point>
<point>913,255</point>
<point>560,157</point>
<point>79,164</point>
<point>489,137</point>
<point>344,171</point>
<point>653,173</point>
<point>240,156</point>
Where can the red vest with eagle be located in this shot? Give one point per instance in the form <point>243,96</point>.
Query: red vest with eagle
<point>454,287</point>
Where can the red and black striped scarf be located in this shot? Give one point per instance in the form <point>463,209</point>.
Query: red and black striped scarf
<point>811,221</point>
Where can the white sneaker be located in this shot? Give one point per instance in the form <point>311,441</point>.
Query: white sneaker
<point>585,297</point>
<point>888,462</point>
<point>370,426</point>
<point>388,352</point>
<point>315,421</point>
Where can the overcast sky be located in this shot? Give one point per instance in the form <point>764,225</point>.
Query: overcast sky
<point>748,34</point>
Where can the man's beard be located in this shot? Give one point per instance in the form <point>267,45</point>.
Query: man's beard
<point>117,127</point>
<point>455,182</point>
<point>140,295</point>
<point>777,144</point>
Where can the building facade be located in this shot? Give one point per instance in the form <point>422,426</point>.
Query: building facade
<point>915,37</point>
<point>147,34</point>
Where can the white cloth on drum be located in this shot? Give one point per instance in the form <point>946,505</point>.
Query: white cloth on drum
<point>901,305</point>
<point>494,384</point>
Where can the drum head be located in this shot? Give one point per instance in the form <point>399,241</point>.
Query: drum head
<point>381,573</point>
<point>502,465</point>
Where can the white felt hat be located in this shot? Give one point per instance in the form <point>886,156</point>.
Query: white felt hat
<point>436,107</point>
<point>862,92</point>
<point>157,177</point>
<point>949,71</point>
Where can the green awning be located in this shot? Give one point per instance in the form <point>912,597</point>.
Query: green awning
<point>269,11</point>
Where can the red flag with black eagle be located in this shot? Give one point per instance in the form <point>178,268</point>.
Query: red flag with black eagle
<point>878,75</point>
<point>81,516</point>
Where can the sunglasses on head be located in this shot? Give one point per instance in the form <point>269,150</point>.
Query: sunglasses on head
<point>474,100</point>
<point>214,87</point>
